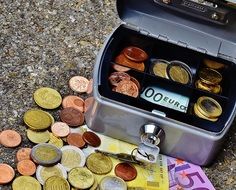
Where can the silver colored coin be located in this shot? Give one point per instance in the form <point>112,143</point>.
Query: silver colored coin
<point>46,154</point>
<point>112,182</point>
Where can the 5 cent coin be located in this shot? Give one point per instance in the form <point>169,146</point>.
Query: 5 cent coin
<point>72,116</point>
<point>74,102</point>
<point>126,171</point>
<point>26,167</point>
<point>91,139</point>
<point>23,154</point>
<point>10,138</point>
<point>7,173</point>
<point>76,139</point>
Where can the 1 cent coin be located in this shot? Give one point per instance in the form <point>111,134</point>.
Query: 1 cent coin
<point>26,182</point>
<point>126,171</point>
<point>72,116</point>
<point>79,84</point>
<point>76,139</point>
<point>23,154</point>
<point>10,138</point>
<point>26,167</point>
<point>91,139</point>
<point>128,88</point>
<point>135,54</point>
<point>60,129</point>
<point>7,173</point>
<point>74,102</point>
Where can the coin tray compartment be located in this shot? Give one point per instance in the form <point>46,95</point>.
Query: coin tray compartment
<point>156,49</point>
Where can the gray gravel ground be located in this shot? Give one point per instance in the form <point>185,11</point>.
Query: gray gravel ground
<point>45,43</point>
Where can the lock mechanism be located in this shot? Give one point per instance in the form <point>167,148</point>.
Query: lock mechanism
<point>151,136</point>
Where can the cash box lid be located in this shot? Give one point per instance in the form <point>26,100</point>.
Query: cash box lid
<point>151,19</point>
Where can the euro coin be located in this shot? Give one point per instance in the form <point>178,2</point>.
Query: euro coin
<point>216,89</point>
<point>26,182</point>
<point>209,107</point>
<point>79,84</point>
<point>213,64</point>
<point>7,174</point>
<point>74,102</point>
<point>26,167</point>
<point>72,157</point>
<point>60,129</point>
<point>72,116</point>
<point>75,139</point>
<point>37,119</point>
<point>38,136</point>
<point>47,98</point>
<point>210,76</point>
<point>112,182</point>
<point>46,154</point>
<point>199,114</point>
<point>99,163</point>
<point>179,72</point>
<point>10,138</point>
<point>81,178</point>
<point>91,138</point>
<point>159,68</point>
<point>56,141</point>
<point>117,77</point>
<point>23,154</point>
<point>56,183</point>
<point>128,88</point>
<point>126,171</point>
<point>135,54</point>
<point>43,173</point>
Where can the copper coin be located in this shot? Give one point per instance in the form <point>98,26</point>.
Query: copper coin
<point>10,138</point>
<point>126,171</point>
<point>122,60</point>
<point>60,129</point>
<point>7,173</point>
<point>120,68</point>
<point>74,102</point>
<point>23,154</point>
<point>88,103</point>
<point>136,82</point>
<point>79,84</point>
<point>26,167</point>
<point>91,139</point>
<point>116,77</point>
<point>90,87</point>
<point>128,88</point>
<point>135,54</point>
<point>72,116</point>
<point>75,139</point>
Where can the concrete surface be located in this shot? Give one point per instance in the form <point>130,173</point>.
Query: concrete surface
<point>45,43</point>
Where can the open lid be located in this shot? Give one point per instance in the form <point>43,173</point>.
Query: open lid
<point>151,19</point>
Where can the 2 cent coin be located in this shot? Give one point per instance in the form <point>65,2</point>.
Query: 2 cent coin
<point>79,84</point>
<point>126,171</point>
<point>26,167</point>
<point>72,116</point>
<point>91,139</point>
<point>7,173</point>
<point>74,102</point>
<point>10,138</point>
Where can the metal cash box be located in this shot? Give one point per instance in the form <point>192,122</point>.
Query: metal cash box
<point>171,36</point>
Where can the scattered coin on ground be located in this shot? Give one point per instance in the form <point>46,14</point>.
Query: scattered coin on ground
<point>91,138</point>
<point>74,102</point>
<point>10,138</point>
<point>26,167</point>
<point>47,98</point>
<point>60,129</point>
<point>56,183</point>
<point>58,142</point>
<point>38,136</point>
<point>79,84</point>
<point>90,87</point>
<point>72,116</point>
<point>76,139</point>
<point>81,178</point>
<point>7,173</point>
<point>26,182</point>
<point>99,163</point>
<point>23,154</point>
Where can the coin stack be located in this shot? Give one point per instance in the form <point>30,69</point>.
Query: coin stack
<point>132,57</point>
<point>207,108</point>
<point>58,161</point>
<point>209,80</point>
<point>125,84</point>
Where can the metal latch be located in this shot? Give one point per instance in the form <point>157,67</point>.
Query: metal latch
<point>151,136</point>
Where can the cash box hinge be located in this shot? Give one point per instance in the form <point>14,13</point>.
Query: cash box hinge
<point>133,27</point>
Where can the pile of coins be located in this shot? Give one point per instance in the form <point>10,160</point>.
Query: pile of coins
<point>209,80</point>
<point>207,108</point>
<point>132,57</point>
<point>57,161</point>
<point>176,71</point>
<point>125,84</point>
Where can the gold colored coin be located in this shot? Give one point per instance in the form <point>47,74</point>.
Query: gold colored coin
<point>159,68</point>
<point>38,136</point>
<point>99,163</point>
<point>58,142</point>
<point>26,183</point>
<point>216,89</point>
<point>213,64</point>
<point>210,76</point>
<point>81,178</point>
<point>52,118</point>
<point>37,119</point>
<point>47,98</point>
<point>209,107</point>
<point>199,114</point>
<point>179,74</point>
<point>56,183</point>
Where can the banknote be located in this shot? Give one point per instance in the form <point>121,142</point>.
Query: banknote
<point>186,176</point>
<point>152,177</point>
